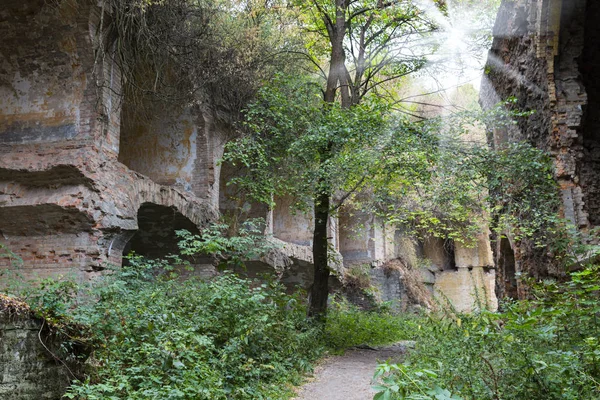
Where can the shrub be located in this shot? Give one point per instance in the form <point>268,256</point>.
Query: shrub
<point>546,348</point>
<point>347,326</point>
<point>157,337</point>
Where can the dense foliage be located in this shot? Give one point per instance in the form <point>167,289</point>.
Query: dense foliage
<point>348,326</point>
<point>248,242</point>
<point>431,177</point>
<point>155,336</point>
<point>288,131</point>
<point>545,348</point>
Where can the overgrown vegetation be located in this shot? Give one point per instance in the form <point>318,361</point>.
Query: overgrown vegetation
<point>229,250</point>
<point>328,139</point>
<point>544,348</point>
<point>427,178</point>
<point>348,326</point>
<point>153,335</point>
<point>211,55</point>
<point>157,337</point>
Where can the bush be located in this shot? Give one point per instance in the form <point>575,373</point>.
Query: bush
<point>347,326</point>
<point>547,348</point>
<point>157,337</point>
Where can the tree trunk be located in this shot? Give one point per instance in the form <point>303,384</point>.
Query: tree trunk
<point>320,288</point>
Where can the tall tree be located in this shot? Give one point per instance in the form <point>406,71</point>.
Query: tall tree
<point>327,149</point>
<point>368,45</point>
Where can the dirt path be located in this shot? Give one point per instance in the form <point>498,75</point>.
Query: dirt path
<point>348,377</point>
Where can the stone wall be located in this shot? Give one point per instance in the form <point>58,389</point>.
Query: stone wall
<point>67,203</point>
<point>27,368</point>
<point>291,225</point>
<point>538,57</point>
<point>364,238</point>
<point>545,54</point>
<point>459,276</point>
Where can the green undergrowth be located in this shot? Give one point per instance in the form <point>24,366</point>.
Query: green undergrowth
<point>348,326</point>
<point>544,348</point>
<point>156,336</point>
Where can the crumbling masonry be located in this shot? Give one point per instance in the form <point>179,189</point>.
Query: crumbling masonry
<point>85,178</point>
<point>546,54</point>
<point>73,179</point>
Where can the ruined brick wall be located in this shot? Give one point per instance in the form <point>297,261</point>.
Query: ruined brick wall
<point>174,145</point>
<point>291,225</point>
<point>534,57</point>
<point>364,238</point>
<point>545,53</point>
<point>67,205</point>
<point>160,143</point>
<point>506,73</point>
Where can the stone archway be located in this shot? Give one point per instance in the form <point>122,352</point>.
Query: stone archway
<point>156,236</point>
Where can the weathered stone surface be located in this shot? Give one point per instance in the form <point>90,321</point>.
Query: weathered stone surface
<point>459,274</point>
<point>27,369</point>
<point>365,239</point>
<point>438,254</point>
<point>391,287</point>
<point>160,144</point>
<point>80,226</point>
<point>174,147</point>
<point>66,203</point>
<point>545,53</point>
<point>478,254</point>
<point>467,289</point>
<point>291,225</point>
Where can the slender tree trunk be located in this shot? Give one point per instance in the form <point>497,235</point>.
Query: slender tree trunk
<point>320,288</point>
<point>336,79</point>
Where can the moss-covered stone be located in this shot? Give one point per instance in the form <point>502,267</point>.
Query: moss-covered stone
<point>27,369</point>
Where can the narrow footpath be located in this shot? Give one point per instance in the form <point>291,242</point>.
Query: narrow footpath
<point>348,377</point>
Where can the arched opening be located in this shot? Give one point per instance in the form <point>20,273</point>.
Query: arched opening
<point>507,271</point>
<point>156,236</point>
